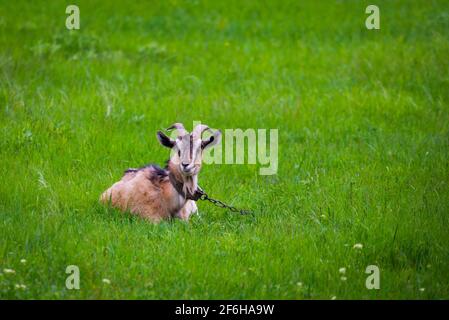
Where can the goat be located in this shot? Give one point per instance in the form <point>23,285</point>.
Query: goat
<point>156,193</point>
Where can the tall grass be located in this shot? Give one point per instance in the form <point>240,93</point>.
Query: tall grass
<point>363,147</point>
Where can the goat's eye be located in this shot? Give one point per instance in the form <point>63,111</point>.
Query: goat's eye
<point>179,152</point>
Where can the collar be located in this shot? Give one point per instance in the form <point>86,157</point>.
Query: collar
<point>179,186</point>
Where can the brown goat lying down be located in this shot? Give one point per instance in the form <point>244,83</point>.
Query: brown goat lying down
<point>155,193</point>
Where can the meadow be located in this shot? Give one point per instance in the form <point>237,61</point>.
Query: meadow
<point>363,122</point>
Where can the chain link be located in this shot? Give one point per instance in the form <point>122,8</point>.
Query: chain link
<point>221,204</point>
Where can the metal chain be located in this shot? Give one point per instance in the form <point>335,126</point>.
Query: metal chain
<point>221,204</point>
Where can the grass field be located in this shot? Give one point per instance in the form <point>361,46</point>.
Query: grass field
<point>363,122</point>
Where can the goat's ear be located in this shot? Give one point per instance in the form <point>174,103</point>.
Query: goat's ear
<point>212,140</point>
<point>164,140</point>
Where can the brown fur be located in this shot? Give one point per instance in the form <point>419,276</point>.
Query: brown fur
<point>149,194</point>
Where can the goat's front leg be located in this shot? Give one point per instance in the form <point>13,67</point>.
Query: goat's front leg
<point>188,209</point>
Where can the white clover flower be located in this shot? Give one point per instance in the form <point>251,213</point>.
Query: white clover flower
<point>299,284</point>
<point>10,271</point>
<point>23,261</point>
<point>422,289</point>
<point>20,286</point>
<point>358,246</point>
<point>343,278</point>
<point>333,298</point>
<point>107,281</point>
<point>342,270</point>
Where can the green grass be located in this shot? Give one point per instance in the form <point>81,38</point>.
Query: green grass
<point>363,147</point>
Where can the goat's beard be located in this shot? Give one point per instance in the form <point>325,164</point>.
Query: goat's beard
<point>190,184</point>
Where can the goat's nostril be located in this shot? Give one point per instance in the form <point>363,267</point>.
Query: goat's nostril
<point>184,164</point>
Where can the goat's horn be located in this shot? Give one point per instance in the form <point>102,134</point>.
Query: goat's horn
<point>199,129</point>
<point>179,127</point>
